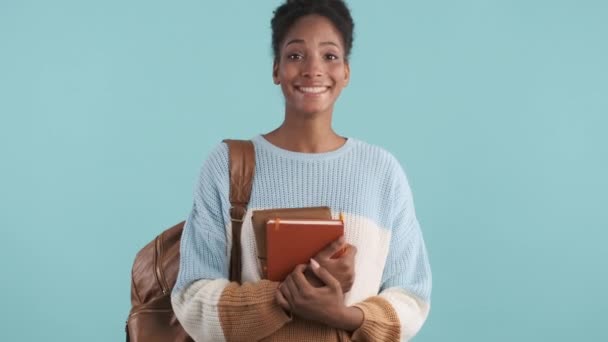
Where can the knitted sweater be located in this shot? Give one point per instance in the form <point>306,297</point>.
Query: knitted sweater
<point>367,184</point>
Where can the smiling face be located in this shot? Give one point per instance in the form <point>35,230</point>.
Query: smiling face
<point>311,67</point>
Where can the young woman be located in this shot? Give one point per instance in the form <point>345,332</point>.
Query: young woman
<point>380,289</point>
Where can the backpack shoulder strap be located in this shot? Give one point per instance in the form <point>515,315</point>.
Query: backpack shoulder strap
<point>241,168</point>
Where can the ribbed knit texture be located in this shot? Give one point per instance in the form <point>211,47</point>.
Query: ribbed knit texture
<point>381,322</point>
<point>393,279</point>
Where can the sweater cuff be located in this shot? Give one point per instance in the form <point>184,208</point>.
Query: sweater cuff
<point>380,322</point>
<point>251,311</point>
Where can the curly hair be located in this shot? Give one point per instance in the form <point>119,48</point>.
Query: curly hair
<point>292,10</point>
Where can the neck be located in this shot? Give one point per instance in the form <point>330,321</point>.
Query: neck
<point>307,134</point>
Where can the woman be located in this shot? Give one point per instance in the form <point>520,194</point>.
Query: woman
<point>380,289</point>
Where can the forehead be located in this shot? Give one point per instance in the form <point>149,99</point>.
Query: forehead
<point>313,29</point>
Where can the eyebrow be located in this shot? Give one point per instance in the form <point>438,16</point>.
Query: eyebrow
<point>300,41</point>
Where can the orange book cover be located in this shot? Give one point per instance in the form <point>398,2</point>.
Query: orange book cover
<point>293,242</point>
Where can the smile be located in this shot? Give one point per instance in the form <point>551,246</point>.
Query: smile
<point>312,90</point>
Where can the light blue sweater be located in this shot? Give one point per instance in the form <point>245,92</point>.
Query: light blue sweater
<point>363,181</point>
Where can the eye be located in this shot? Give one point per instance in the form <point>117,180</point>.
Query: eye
<point>294,56</point>
<point>331,57</point>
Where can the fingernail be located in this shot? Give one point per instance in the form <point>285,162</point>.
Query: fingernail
<point>314,264</point>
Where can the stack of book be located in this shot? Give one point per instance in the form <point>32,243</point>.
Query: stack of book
<point>286,238</point>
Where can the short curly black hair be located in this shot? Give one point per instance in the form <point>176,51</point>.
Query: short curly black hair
<point>292,10</point>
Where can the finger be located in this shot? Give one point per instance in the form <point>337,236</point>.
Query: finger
<point>347,252</point>
<point>300,280</point>
<point>330,250</point>
<point>310,276</point>
<point>351,250</point>
<point>284,289</point>
<point>282,301</point>
<point>326,277</point>
<point>341,252</point>
<point>296,276</point>
<point>292,289</point>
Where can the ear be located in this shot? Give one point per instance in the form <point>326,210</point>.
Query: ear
<point>346,73</point>
<point>275,72</point>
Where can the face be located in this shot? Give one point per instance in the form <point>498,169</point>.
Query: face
<point>311,67</point>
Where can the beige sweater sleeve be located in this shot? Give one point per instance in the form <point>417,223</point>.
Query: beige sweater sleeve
<point>249,312</point>
<point>380,322</point>
<point>219,310</point>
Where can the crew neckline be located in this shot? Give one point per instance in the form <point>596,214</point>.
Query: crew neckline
<point>259,139</point>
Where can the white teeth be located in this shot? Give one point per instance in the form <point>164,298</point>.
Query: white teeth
<point>312,90</point>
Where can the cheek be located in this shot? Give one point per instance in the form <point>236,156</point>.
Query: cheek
<point>287,91</point>
<point>289,73</point>
<point>339,73</point>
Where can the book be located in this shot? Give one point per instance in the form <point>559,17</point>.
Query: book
<point>261,217</point>
<point>290,242</point>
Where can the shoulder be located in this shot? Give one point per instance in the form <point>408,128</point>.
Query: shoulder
<point>214,169</point>
<point>217,158</point>
<point>384,166</point>
<point>378,156</point>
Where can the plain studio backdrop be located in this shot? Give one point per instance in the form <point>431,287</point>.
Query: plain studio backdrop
<point>496,109</point>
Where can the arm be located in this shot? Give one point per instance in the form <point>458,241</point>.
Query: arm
<point>209,307</point>
<point>403,303</point>
<point>393,315</point>
<point>398,312</point>
<point>216,310</point>
<point>402,306</point>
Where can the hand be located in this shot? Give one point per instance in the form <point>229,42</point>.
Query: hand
<point>342,268</point>
<point>324,304</point>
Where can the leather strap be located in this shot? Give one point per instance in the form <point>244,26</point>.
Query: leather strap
<point>242,166</point>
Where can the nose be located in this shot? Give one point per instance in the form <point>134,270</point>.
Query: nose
<point>313,67</point>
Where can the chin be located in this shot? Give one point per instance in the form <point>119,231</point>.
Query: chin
<point>313,110</point>
<point>310,112</point>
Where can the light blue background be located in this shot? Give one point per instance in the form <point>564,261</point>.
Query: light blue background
<point>497,109</point>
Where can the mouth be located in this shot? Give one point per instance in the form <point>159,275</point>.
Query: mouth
<point>312,90</point>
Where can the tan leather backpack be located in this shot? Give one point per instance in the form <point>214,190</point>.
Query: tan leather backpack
<point>156,265</point>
